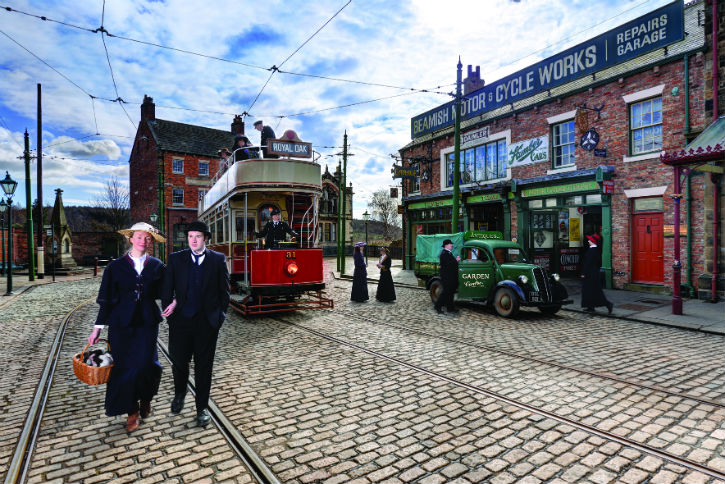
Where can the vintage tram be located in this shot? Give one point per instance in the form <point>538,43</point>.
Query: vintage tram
<point>289,275</point>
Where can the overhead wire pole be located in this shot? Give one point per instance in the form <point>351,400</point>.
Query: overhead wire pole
<point>457,150</point>
<point>39,181</point>
<point>343,194</point>
<point>29,210</point>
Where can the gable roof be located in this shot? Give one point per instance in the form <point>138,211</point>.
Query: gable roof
<point>189,138</point>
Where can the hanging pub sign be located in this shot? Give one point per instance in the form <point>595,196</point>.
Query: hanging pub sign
<point>654,30</point>
<point>404,172</point>
<point>529,151</point>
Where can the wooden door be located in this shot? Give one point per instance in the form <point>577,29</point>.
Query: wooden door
<point>647,248</point>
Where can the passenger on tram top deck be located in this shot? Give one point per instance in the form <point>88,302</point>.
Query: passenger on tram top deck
<point>275,231</point>
<point>224,161</point>
<point>241,150</point>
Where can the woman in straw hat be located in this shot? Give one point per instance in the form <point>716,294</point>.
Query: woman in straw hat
<point>127,300</point>
<point>360,276</point>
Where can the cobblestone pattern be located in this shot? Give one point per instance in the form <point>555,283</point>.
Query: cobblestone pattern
<point>78,443</point>
<point>30,321</point>
<point>679,360</point>
<point>317,411</point>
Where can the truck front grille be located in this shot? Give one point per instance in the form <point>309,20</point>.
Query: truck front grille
<point>543,284</point>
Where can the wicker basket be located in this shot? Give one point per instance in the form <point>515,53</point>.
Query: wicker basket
<point>92,375</point>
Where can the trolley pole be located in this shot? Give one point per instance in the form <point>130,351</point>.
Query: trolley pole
<point>343,194</point>
<point>457,151</point>
<point>29,211</point>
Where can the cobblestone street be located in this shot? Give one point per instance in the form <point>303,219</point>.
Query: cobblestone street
<point>379,392</point>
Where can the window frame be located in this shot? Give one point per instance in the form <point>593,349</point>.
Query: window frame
<point>497,145</point>
<point>206,163</point>
<point>174,192</point>
<point>554,145</point>
<point>630,114</point>
<point>173,166</point>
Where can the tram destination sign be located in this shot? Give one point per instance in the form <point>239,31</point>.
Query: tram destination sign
<point>654,30</point>
<point>298,149</point>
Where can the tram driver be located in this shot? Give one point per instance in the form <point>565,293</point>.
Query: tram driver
<point>275,231</point>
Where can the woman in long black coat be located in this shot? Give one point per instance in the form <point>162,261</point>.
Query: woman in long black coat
<point>386,289</point>
<point>592,293</point>
<point>127,299</point>
<point>360,276</point>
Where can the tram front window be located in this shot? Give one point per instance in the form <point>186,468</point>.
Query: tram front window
<point>239,228</point>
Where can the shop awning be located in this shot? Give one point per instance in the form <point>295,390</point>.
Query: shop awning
<point>708,148</point>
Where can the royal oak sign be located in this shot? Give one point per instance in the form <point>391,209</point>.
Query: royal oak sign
<point>654,30</point>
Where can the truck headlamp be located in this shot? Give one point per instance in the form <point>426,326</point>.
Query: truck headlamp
<point>523,279</point>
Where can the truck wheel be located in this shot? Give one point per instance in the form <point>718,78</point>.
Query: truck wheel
<point>506,303</point>
<point>550,309</point>
<point>435,290</point>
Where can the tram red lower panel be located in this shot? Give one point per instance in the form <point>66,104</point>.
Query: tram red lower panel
<point>280,267</point>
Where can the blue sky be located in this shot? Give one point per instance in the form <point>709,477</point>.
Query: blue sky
<point>414,44</point>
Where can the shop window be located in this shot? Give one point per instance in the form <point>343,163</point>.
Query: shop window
<point>646,126</point>
<point>563,135</point>
<point>414,184</point>
<point>482,163</point>
<point>203,168</point>
<point>177,165</point>
<point>333,230</point>
<point>177,196</point>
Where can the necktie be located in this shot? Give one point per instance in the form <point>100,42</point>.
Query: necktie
<point>197,257</point>
<point>275,224</point>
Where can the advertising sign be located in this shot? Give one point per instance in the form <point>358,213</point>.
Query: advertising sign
<point>478,135</point>
<point>405,172</point>
<point>654,30</point>
<point>569,260</point>
<point>529,151</point>
<point>608,186</point>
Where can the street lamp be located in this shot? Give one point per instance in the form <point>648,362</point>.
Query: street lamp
<point>9,185</point>
<point>3,207</point>
<point>153,217</point>
<point>366,217</point>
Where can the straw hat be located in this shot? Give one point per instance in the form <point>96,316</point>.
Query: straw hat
<point>143,227</point>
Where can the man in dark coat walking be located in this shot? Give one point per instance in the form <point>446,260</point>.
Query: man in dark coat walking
<point>275,231</point>
<point>267,135</point>
<point>592,293</point>
<point>449,278</point>
<point>195,295</point>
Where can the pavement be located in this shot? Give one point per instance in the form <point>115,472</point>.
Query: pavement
<point>697,314</point>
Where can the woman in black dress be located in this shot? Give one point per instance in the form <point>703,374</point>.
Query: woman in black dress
<point>592,293</point>
<point>360,276</point>
<point>386,289</point>
<point>127,300</point>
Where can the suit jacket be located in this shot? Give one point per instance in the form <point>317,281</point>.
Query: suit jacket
<point>449,270</point>
<point>274,234</point>
<point>122,289</point>
<point>214,285</point>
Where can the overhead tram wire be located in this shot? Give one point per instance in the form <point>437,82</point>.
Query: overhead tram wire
<point>274,68</point>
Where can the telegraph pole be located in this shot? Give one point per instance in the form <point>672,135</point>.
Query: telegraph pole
<point>343,193</point>
<point>457,150</point>
<point>339,218</point>
<point>39,158</point>
<point>29,211</point>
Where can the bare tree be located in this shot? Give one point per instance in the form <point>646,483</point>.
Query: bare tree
<point>384,209</point>
<point>115,201</point>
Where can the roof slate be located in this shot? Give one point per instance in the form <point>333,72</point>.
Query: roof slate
<point>188,138</point>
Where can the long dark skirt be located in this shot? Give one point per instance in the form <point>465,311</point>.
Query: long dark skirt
<point>386,289</point>
<point>592,293</point>
<point>137,372</point>
<point>359,285</point>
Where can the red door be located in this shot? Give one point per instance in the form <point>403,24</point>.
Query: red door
<point>647,245</point>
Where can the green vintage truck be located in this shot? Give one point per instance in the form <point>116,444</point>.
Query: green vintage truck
<point>491,270</point>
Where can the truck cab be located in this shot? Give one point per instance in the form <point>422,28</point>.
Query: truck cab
<point>491,270</point>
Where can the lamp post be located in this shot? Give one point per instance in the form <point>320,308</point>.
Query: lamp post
<point>9,185</point>
<point>153,217</point>
<point>3,207</point>
<point>366,217</point>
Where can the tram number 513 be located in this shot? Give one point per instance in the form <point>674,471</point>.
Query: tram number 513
<point>290,255</point>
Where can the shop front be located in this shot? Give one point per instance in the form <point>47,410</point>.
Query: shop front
<point>554,219</point>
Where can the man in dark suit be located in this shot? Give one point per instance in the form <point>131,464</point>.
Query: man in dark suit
<point>195,295</point>
<point>275,231</point>
<point>449,278</point>
<point>266,136</point>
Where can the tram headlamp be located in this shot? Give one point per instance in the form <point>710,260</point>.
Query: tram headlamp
<point>291,268</point>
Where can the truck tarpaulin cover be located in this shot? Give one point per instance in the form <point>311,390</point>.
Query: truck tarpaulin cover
<point>428,247</point>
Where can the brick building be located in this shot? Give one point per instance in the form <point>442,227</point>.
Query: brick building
<point>171,165</point>
<point>571,146</point>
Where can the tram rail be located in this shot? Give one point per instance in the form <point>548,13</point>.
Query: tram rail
<point>675,459</point>
<point>22,456</point>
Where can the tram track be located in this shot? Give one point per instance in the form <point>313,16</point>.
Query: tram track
<point>627,381</point>
<point>642,447</point>
<point>20,462</point>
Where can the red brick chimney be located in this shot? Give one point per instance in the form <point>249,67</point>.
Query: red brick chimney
<point>237,125</point>
<point>148,108</point>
